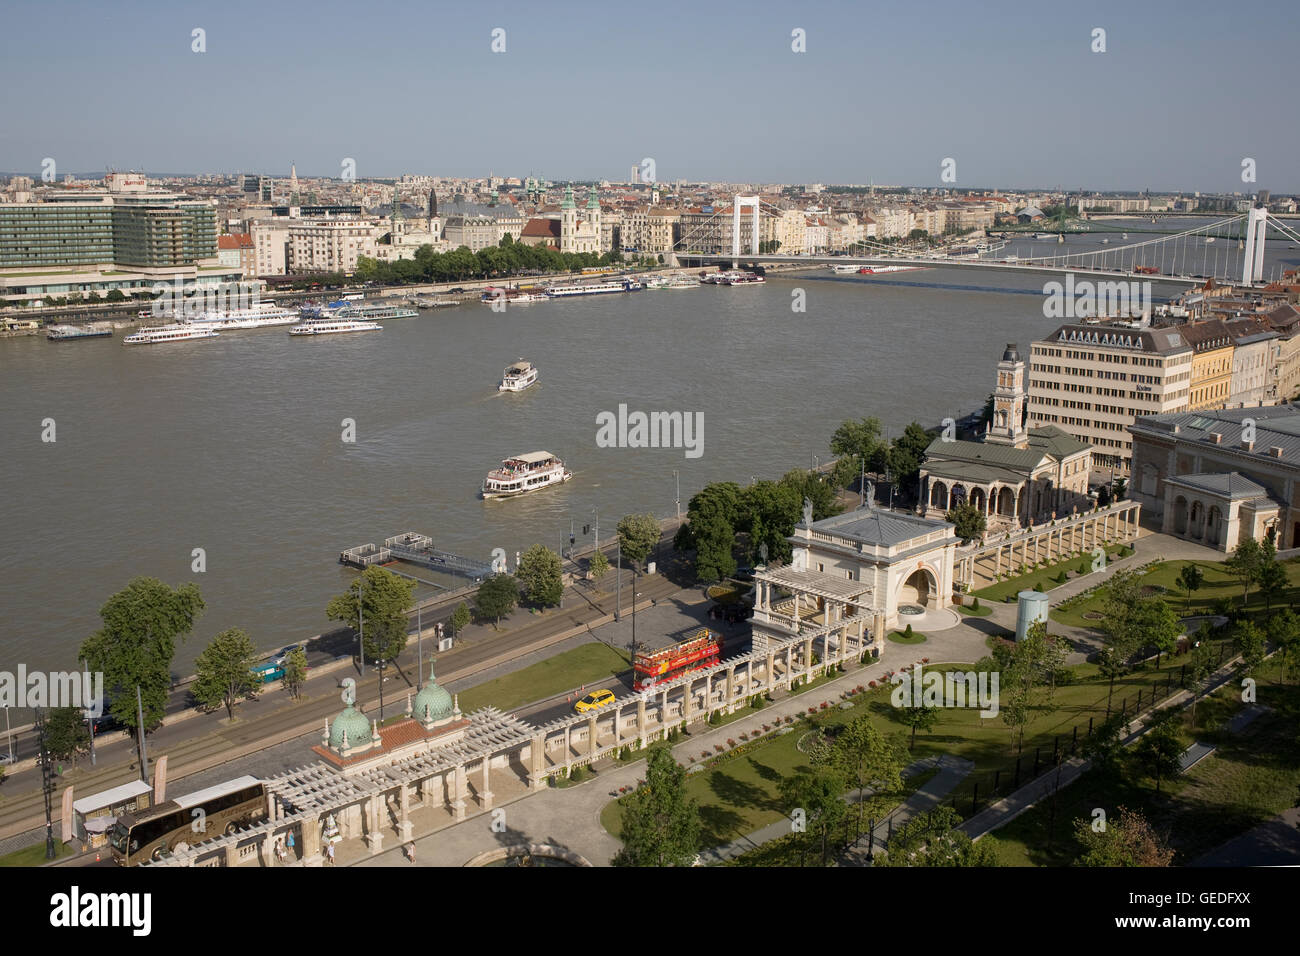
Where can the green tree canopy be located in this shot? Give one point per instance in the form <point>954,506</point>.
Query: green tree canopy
<point>969,521</point>
<point>638,535</point>
<point>661,826</point>
<point>932,839</point>
<point>295,671</point>
<point>497,597</point>
<point>460,618</point>
<point>66,733</point>
<point>540,573</point>
<point>1126,840</point>
<point>224,671</point>
<point>906,454</point>
<point>376,604</point>
<point>136,645</point>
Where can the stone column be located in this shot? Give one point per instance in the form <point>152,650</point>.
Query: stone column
<point>537,757</point>
<point>374,823</point>
<point>268,850</point>
<point>769,677</point>
<point>807,656</point>
<point>458,791</point>
<point>485,798</point>
<point>406,825</point>
<point>730,687</point>
<point>311,841</point>
<point>663,712</point>
<point>591,735</point>
<point>618,719</point>
<point>640,721</point>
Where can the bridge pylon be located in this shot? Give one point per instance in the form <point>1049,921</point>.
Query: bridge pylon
<point>743,202</point>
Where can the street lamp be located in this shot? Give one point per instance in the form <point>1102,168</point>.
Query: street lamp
<point>361,621</point>
<point>381,662</point>
<point>678,500</point>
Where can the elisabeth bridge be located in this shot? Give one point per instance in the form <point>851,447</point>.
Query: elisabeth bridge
<point>1229,250</point>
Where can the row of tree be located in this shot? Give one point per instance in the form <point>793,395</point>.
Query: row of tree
<point>509,258</point>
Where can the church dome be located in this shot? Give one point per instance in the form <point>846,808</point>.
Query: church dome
<point>353,723</point>
<point>432,703</point>
<point>1012,354</point>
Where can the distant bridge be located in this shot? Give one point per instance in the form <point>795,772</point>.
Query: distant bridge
<point>1215,250</point>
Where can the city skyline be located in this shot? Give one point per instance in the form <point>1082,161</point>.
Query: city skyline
<point>876,97</point>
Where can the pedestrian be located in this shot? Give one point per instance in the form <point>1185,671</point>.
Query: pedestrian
<point>410,851</point>
<point>329,853</point>
<point>288,842</point>
<point>279,851</point>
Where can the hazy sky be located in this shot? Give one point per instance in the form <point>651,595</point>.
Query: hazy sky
<point>711,90</point>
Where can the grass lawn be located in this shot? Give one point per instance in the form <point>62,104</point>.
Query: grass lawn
<point>588,664</point>
<point>35,855</point>
<point>740,795</point>
<point>1219,583</point>
<point>1252,777</point>
<point>1000,590</point>
<point>901,637</point>
<point>982,611</point>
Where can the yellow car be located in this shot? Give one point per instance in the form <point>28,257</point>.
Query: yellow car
<point>594,701</point>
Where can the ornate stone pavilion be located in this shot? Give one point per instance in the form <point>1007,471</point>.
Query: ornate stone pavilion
<point>849,574</point>
<point>1016,476</point>
<point>1219,509</point>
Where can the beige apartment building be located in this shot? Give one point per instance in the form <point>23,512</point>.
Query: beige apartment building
<point>1094,381</point>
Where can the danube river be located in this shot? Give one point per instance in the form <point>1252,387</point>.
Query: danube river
<point>235,445</point>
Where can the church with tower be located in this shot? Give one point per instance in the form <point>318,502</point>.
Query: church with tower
<point>580,235</point>
<point>1017,476</point>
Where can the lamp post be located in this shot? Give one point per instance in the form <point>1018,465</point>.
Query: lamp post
<point>381,662</point>
<point>618,584</point>
<point>419,648</point>
<point>361,621</point>
<point>678,500</point>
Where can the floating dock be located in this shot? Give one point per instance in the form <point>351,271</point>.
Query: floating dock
<point>418,549</point>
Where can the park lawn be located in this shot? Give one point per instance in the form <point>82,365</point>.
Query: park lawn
<point>966,610</point>
<point>1251,778</point>
<point>1010,587</point>
<point>35,855</point>
<point>740,795</point>
<point>1219,583</point>
<point>588,664</point>
<point>902,637</point>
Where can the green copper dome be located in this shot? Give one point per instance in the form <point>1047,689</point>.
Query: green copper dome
<point>432,703</point>
<point>353,723</point>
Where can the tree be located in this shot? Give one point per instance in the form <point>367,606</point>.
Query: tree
<point>115,295</point>
<point>867,757</point>
<point>969,522</point>
<point>1270,576</point>
<point>66,733</point>
<point>661,827</point>
<point>539,572</point>
<point>905,457</point>
<point>1245,565</point>
<point>768,513</point>
<point>1127,840</point>
<point>1283,629</point>
<point>598,565</point>
<point>711,530</point>
<point>861,442</point>
<point>1200,665</point>
<point>1161,749</point>
<point>637,536</point>
<point>224,671</point>
<point>932,839</point>
<point>1248,641</point>
<point>497,597</point>
<point>1105,746</point>
<point>376,604</point>
<point>460,618</point>
<point>818,795</point>
<point>295,671</point>
<point>918,717</point>
<point>816,487</point>
<point>136,644</point>
<point>1190,579</point>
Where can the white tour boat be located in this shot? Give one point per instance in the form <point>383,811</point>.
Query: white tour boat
<point>168,333</point>
<point>524,473</point>
<point>518,376</point>
<point>331,326</point>
<point>254,318</point>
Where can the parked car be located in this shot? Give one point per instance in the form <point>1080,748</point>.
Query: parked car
<point>279,658</point>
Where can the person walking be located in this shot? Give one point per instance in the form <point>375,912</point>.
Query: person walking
<point>410,851</point>
<point>279,851</point>
<point>288,842</point>
<point>330,854</point>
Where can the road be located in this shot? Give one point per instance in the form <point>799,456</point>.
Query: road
<point>195,741</point>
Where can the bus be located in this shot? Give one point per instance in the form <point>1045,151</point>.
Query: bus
<point>149,835</point>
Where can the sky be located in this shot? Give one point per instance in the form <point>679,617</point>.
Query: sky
<point>1012,92</point>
